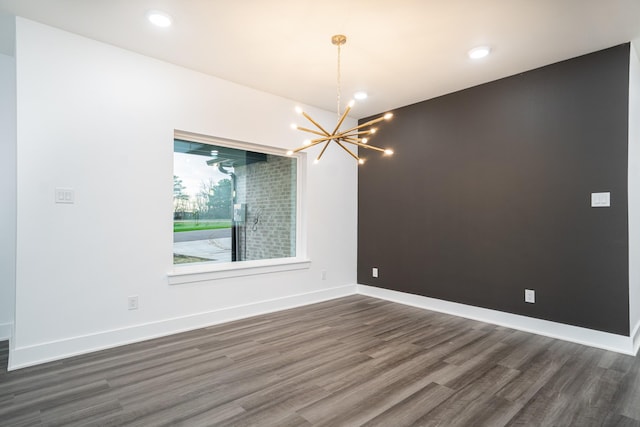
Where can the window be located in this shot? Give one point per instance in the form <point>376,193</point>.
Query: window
<point>232,202</point>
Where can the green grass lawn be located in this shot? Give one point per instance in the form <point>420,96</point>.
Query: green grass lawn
<point>203,224</point>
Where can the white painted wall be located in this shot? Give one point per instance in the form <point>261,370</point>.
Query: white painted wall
<point>100,120</point>
<point>8,191</point>
<point>7,34</point>
<point>634,195</point>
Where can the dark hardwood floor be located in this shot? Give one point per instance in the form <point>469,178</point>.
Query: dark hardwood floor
<point>346,362</point>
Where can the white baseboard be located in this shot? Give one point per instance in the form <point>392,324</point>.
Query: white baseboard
<point>21,357</point>
<point>5,331</point>
<point>590,337</point>
<point>635,334</point>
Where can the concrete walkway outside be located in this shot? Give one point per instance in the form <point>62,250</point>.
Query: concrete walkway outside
<point>216,250</point>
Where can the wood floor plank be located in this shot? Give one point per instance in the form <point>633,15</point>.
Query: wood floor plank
<point>350,361</point>
<point>627,397</point>
<point>275,405</point>
<point>473,403</point>
<point>407,411</point>
<point>535,374</point>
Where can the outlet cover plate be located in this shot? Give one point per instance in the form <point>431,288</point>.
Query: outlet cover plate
<point>530,296</point>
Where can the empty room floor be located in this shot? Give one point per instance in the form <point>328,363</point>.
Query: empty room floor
<point>346,362</point>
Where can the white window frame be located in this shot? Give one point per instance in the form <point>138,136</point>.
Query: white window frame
<point>199,272</point>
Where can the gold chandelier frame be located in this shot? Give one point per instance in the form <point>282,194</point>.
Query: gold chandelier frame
<point>355,136</point>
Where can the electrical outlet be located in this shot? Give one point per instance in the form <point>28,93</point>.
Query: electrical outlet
<point>132,302</point>
<point>530,296</point>
<point>374,272</point>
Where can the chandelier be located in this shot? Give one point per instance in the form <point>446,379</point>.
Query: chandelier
<point>357,136</point>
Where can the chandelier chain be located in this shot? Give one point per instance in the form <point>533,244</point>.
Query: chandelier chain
<point>338,85</point>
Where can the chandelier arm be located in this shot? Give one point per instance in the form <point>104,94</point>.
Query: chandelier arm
<point>312,131</point>
<point>344,116</point>
<point>369,123</point>
<point>315,123</point>
<point>353,141</point>
<point>323,150</point>
<point>371,147</point>
<point>347,150</point>
<point>319,140</point>
<point>353,134</point>
<point>374,121</point>
<point>307,146</point>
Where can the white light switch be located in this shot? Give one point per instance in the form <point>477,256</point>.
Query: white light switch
<point>65,195</point>
<point>374,272</point>
<point>600,200</point>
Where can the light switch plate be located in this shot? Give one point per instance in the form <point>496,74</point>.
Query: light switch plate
<point>374,272</point>
<point>601,200</point>
<point>65,195</point>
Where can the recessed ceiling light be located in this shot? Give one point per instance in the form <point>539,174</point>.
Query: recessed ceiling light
<point>159,18</point>
<point>479,52</point>
<point>360,95</point>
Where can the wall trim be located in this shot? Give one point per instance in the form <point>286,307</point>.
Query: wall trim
<point>589,337</point>
<point>22,357</point>
<point>635,335</point>
<point>201,272</point>
<point>6,331</point>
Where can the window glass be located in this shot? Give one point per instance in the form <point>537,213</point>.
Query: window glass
<point>231,204</point>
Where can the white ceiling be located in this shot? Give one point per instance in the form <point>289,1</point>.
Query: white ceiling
<point>400,52</point>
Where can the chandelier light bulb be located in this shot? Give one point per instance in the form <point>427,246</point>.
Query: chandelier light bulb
<point>294,126</point>
<point>388,116</point>
<point>365,140</point>
<point>361,161</point>
<point>289,153</point>
<point>373,130</point>
<point>307,142</point>
<point>298,109</point>
<point>351,103</point>
<point>388,152</point>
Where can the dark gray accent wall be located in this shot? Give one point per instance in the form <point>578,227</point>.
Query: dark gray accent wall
<point>489,190</point>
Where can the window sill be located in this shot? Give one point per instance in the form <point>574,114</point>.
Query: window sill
<point>203,272</point>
